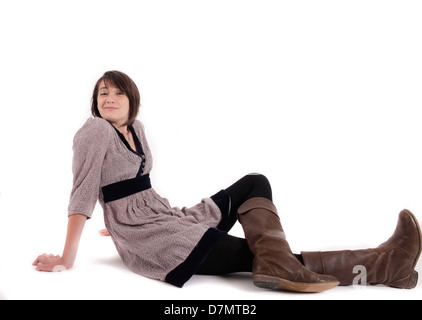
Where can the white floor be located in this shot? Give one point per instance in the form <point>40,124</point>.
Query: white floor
<point>103,276</point>
<point>100,274</point>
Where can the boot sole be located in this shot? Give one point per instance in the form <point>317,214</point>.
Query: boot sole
<point>414,276</point>
<point>275,283</point>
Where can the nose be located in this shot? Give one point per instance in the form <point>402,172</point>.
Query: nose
<point>110,99</point>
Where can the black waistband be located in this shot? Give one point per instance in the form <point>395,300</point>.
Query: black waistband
<point>121,189</point>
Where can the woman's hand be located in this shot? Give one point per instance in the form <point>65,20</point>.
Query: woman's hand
<point>50,263</point>
<point>104,233</point>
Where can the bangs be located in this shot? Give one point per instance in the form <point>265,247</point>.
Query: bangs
<point>113,80</point>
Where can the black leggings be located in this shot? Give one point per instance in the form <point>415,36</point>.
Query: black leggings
<point>250,186</point>
<point>232,254</point>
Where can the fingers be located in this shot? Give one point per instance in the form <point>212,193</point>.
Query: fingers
<point>43,267</point>
<point>44,262</point>
<point>39,259</point>
<point>104,233</point>
<point>36,261</point>
<point>50,268</point>
<point>42,257</point>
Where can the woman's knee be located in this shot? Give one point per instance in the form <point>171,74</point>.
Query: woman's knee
<point>259,179</point>
<point>261,185</point>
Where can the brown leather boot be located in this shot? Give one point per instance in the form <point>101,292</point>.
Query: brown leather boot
<point>274,264</point>
<point>391,264</point>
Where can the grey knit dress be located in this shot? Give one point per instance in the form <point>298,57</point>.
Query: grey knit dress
<point>153,239</point>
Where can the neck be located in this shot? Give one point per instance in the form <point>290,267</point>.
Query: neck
<point>124,130</point>
<point>121,127</point>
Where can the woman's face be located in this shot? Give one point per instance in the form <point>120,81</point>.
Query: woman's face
<point>113,104</point>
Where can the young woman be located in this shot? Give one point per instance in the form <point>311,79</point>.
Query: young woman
<point>112,162</point>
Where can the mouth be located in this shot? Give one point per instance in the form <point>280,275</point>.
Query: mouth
<point>110,108</point>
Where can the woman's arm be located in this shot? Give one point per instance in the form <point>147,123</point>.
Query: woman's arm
<point>75,226</point>
<point>90,145</point>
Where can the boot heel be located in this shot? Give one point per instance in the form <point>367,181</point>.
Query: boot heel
<point>413,280</point>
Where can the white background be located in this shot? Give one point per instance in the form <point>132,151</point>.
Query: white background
<point>323,97</point>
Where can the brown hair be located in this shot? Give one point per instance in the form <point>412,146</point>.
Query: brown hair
<point>124,83</point>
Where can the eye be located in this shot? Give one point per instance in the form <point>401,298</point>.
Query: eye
<point>121,93</point>
<point>103,93</point>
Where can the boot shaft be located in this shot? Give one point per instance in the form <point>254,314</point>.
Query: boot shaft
<point>390,267</point>
<point>391,264</point>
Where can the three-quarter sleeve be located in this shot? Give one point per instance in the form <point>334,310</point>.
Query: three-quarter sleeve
<point>89,149</point>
